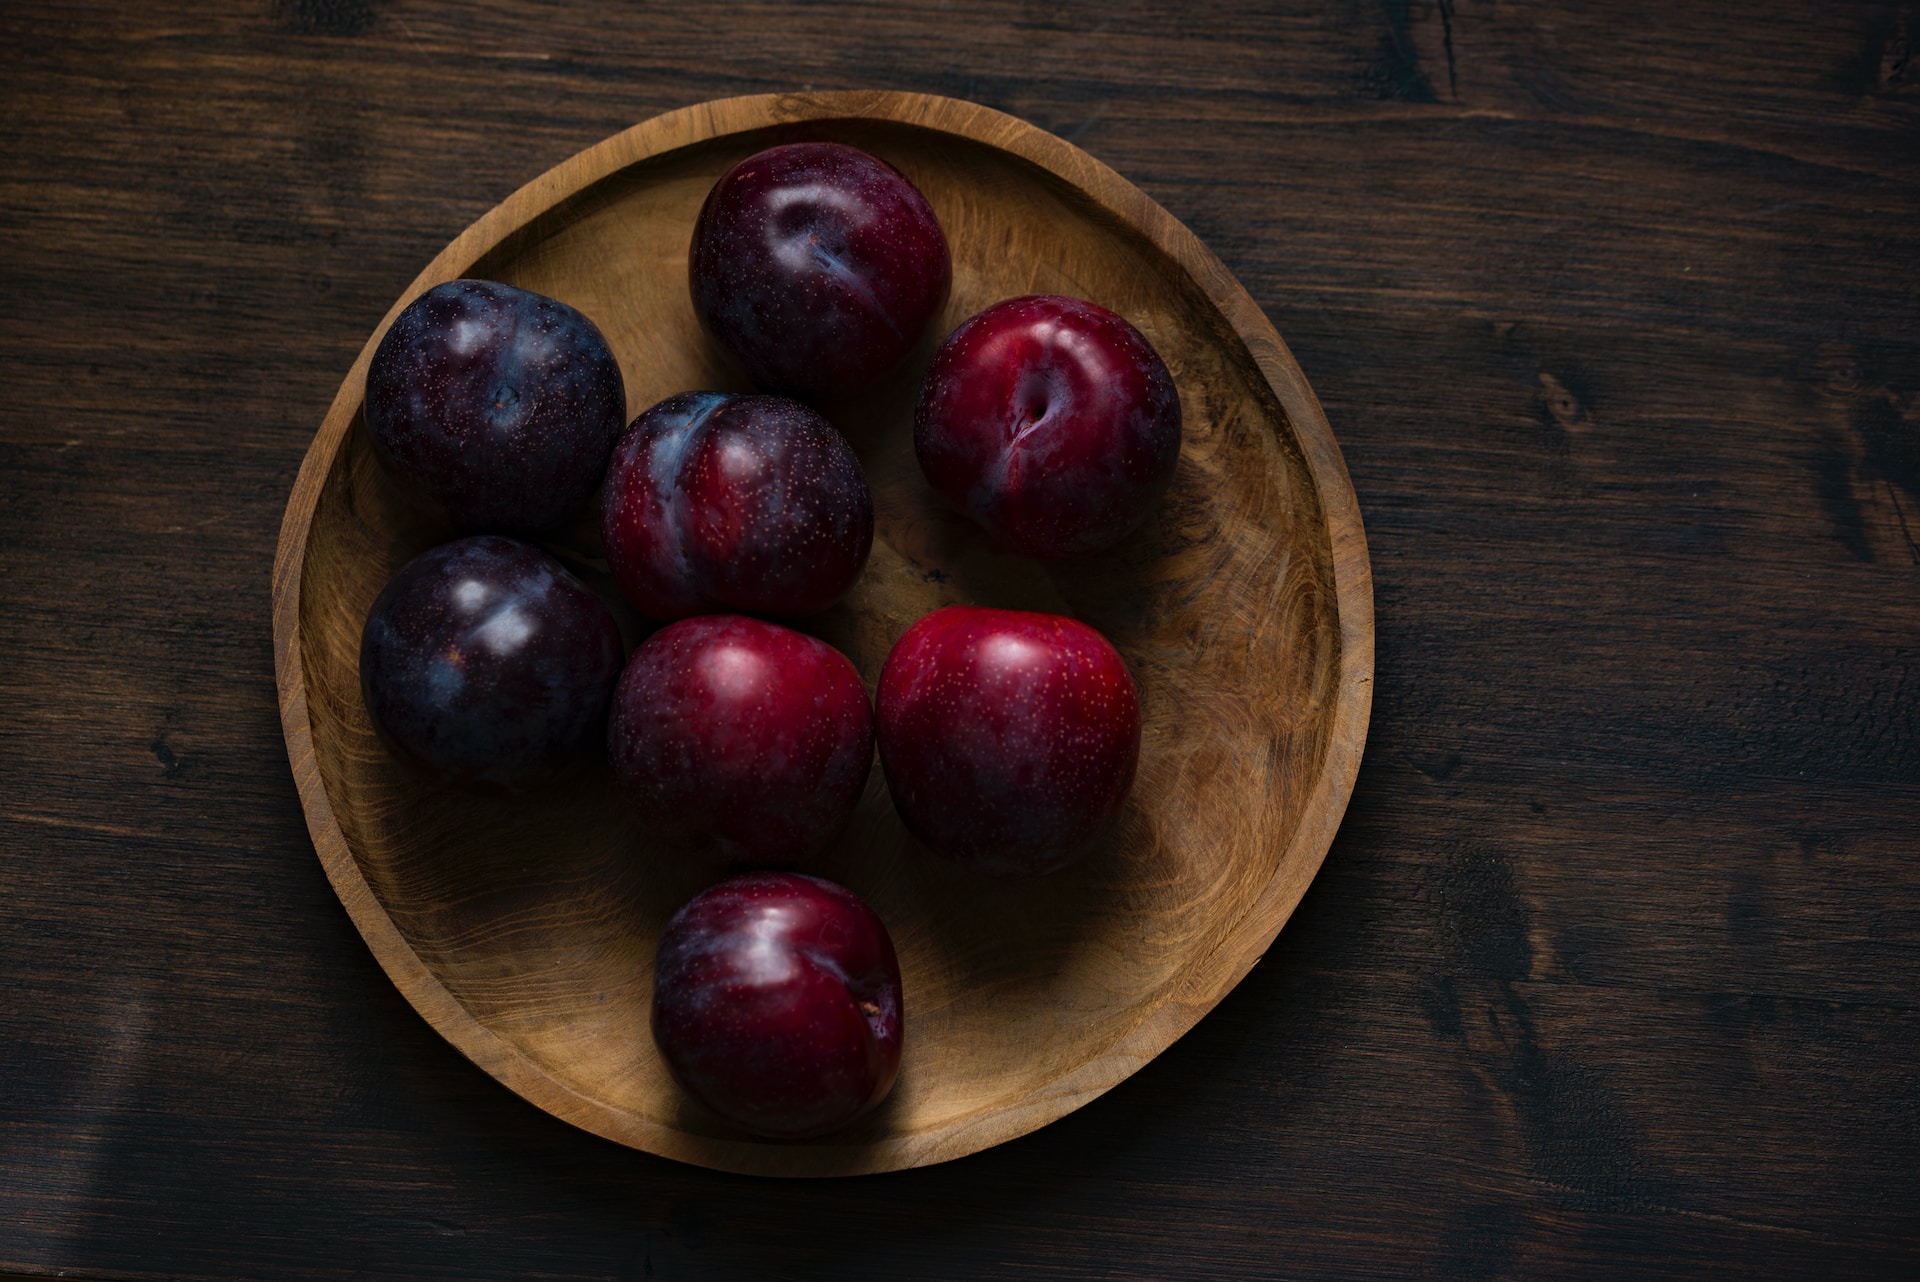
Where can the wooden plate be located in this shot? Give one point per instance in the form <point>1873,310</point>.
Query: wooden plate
<point>524,930</point>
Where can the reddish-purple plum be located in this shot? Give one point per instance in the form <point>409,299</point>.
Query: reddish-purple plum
<point>717,502</point>
<point>1051,422</point>
<point>777,1004</point>
<point>744,742</point>
<point>1009,738</point>
<point>818,266</point>
<point>487,662</point>
<point>500,404</point>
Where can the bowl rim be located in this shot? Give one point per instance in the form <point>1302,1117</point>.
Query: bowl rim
<point>1207,981</point>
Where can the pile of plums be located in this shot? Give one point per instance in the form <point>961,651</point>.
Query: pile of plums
<point>1008,739</point>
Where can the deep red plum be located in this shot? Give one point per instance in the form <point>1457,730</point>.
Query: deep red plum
<point>1050,421</point>
<point>500,404</point>
<point>742,741</point>
<point>1009,738</point>
<point>777,1004</point>
<point>487,662</point>
<point>717,502</point>
<point>818,266</point>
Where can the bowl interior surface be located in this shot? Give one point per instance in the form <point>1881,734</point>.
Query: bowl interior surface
<point>539,914</point>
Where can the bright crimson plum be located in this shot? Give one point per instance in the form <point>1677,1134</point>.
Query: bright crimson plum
<point>818,266</point>
<point>500,404</point>
<point>717,502</point>
<point>740,740</point>
<point>487,662</point>
<point>1009,738</point>
<point>1050,421</point>
<point>777,1004</point>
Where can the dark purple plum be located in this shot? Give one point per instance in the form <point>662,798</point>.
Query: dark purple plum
<point>485,661</point>
<point>1009,738</point>
<point>500,404</point>
<point>717,502</point>
<point>743,742</point>
<point>777,1004</point>
<point>1051,422</point>
<point>818,266</point>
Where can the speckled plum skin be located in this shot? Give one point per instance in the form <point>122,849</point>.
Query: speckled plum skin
<point>717,502</point>
<point>1051,422</point>
<point>1009,738</point>
<point>818,266</point>
<point>488,663</point>
<point>500,404</point>
<point>777,1004</point>
<point>741,742</point>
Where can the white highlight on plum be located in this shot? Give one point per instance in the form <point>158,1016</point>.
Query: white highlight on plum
<point>468,336</point>
<point>819,196</point>
<point>768,957</point>
<point>470,595</point>
<point>533,346</point>
<point>734,671</point>
<point>1007,653</point>
<point>506,631</point>
<point>738,461</point>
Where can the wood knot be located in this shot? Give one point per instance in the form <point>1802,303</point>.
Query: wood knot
<point>1564,407</point>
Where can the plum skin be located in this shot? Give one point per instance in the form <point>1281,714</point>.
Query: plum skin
<point>717,502</point>
<point>486,662</point>
<point>777,1004</point>
<point>1052,422</point>
<point>498,403</point>
<point>740,741</point>
<point>818,266</point>
<point>1009,738</point>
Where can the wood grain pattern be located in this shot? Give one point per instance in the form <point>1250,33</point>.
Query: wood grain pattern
<point>524,929</point>
<point>1610,970</point>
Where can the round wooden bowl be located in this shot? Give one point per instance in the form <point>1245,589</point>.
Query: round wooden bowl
<point>524,929</point>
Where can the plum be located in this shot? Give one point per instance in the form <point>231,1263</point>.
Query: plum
<point>486,662</point>
<point>818,266</point>
<point>499,404</point>
<point>1009,738</point>
<point>777,1004</point>
<point>1051,422</point>
<point>716,502</point>
<point>740,741</point>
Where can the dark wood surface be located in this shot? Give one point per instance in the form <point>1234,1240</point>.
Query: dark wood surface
<point>1611,970</point>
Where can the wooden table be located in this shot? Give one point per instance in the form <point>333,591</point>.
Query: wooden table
<point>1612,968</point>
